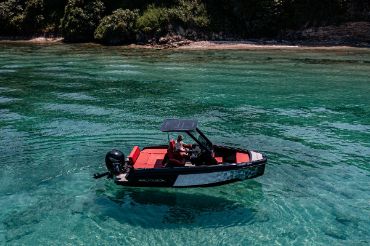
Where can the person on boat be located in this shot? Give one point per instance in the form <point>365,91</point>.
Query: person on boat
<point>181,147</point>
<point>194,153</point>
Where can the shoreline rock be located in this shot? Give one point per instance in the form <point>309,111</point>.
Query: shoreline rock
<point>181,43</point>
<point>173,41</point>
<point>33,39</point>
<point>245,45</point>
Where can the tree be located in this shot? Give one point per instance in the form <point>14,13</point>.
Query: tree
<point>190,14</point>
<point>77,20</point>
<point>34,20</point>
<point>154,21</point>
<point>11,17</point>
<point>298,14</point>
<point>117,28</point>
<point>185,15</point>
<point>80,20</point>
<point>357,10</point>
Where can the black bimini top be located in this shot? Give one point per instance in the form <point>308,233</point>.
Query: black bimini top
<point>176,125</point>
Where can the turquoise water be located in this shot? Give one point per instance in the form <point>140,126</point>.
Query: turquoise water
<point>62,107</point>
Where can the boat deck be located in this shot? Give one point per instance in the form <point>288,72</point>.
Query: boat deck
<point>153,158</point>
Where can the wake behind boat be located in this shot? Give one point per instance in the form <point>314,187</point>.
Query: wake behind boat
<point>179,165</point>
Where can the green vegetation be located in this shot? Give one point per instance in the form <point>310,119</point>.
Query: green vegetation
<point>154,21</point>
<point>81,19</point>
<point>11,16</point>
<point>185,18</point>
<point>124,21</point>
<point>32,17</point>
<point>118,27</point>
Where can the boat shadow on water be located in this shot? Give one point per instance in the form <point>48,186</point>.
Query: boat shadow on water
<point>165,208</point>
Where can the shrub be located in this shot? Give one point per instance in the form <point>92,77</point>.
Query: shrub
<point>80,20</point>
<point>117,28</point>
<point>154,21</point>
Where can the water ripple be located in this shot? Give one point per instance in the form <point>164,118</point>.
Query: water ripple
<point>62,107</point>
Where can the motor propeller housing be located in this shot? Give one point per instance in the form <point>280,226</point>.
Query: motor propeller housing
<point>115,161</point>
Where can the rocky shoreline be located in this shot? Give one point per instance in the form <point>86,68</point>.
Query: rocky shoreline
<point>346,35</point>
<point>30,39</point>
<point>215,45</point>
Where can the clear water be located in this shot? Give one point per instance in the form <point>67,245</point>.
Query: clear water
<point>63,107</point>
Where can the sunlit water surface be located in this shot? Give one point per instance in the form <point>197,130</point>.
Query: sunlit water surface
<point>63,107</point>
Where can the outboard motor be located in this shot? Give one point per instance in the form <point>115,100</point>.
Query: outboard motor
<point>115,161</point>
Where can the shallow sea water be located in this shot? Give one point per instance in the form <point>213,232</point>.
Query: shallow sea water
<point>62,107</point>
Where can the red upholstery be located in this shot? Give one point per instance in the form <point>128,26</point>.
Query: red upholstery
<point>142,161</point>
<point>174,158</point>
<point>155,160</point>
<point>135,152</point>
<point>150,158</point>
<point>219,159</point>
<point>242,157</point>
<point>171,150</point>
<point>155,151</point>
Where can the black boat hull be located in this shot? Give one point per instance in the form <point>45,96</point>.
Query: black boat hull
<point>193,176</point>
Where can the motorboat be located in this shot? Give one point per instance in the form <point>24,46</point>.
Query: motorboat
<point>199,164</point>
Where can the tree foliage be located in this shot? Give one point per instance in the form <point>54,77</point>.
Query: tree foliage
<point>186,14</point>
<point>11,17</point>
<point>80,19</point>
<point>77,20</point>
<point>154,21</point>
<point>34,19</point>
<point>190,14</point>
<point>117,28</point>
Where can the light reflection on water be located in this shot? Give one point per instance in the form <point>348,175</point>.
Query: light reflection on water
<point>63,107</point>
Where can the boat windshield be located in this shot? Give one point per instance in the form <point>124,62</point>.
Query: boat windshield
<point>204,142</point>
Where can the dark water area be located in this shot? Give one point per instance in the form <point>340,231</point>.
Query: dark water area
<point>62,107</point>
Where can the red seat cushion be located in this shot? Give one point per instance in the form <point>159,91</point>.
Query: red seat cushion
<point>142,161</point>
<point>154,151</point>
<point>135,152</point>
<point>155,160</point>
<point>171,149</point>
<point>219,159</point>
<point>150,158</point>
<point>242,157</point>
<point>172,145</point>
